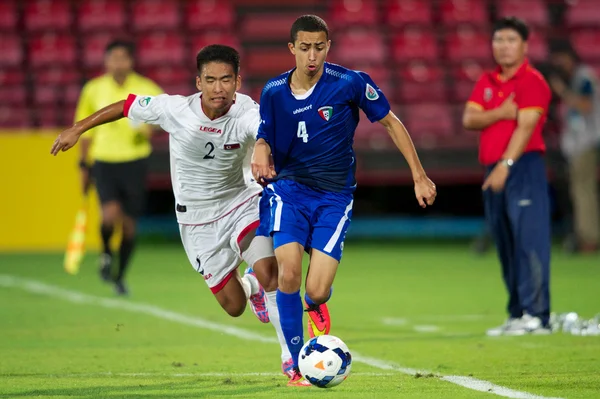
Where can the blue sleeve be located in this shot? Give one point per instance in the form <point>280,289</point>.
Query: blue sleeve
<point>369,97</point>
<point>266,126</point>
<point>586,88</point>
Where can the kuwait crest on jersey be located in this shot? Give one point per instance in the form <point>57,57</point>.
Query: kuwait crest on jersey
<point>326,113</point>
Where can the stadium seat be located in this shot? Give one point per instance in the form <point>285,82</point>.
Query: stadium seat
<point>52,49</point>
<point>94,46</point>
<point>464,77</point>
<point>205,14</point>
<point>268,62</point>
<point>352,13</point>
<point>170,75</point>
<point>56,76</point>
<point>8,15</point>
<point>49,116</point>
<point>71,96</point>
<point>380,74</point>
<point>537,47</point>
<point>534,12</point>
<point>11,50</point>
<point>184,89</point>
<point>419,83</point>
<point>414,43</point>
<point>399,13</point>
<point>162,49</point>
<point>586,44</point>
<point>47,94</point>
<point>152,15</point>
<point>14,116</point>
<point>13,95</point>
<point>106,15</point>
<point>473,12</point>
<point>266,26</point>
<point>464,42</point>
<point>11,77</point>
<point>372,47</point>
<point>371,135</point>
<point>214,37</point>
<point>427,123</point>
<point>49,15</point>
<point>582,13</point>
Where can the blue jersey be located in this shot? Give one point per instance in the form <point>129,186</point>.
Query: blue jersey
<point>311,136</point>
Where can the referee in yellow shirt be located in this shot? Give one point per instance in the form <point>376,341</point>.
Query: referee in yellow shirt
<point>116,154</point>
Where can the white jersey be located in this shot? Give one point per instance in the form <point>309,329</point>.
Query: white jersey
<point>209,158</point>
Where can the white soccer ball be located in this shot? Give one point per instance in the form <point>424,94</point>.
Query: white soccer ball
<point>325,361</point>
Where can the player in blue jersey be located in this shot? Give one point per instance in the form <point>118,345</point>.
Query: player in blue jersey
<point>304,156</point>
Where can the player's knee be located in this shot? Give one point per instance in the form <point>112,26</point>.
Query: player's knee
<point>318,295</point>
<point>234,309</point>
<point>266,273</point>
<point>290,276</point>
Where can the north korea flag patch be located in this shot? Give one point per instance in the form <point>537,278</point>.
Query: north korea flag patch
<point>233,146</point>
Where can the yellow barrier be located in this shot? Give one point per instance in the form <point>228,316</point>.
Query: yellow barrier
<point>40,194</point>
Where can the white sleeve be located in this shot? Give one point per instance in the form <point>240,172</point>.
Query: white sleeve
<point>252,122</point>
<point>146,109</point>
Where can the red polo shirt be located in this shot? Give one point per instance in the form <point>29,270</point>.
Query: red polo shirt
<point>531,92</point>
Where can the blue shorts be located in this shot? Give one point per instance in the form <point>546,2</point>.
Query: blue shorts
<point>314,218</point>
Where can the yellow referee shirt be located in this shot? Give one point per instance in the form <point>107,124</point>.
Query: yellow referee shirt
<point>122,140</point>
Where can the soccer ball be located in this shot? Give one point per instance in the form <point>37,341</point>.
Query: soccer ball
<point>325,361</point>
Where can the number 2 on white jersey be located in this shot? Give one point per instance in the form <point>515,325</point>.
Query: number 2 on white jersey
<point>302,134</point>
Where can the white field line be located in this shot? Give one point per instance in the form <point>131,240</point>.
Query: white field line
<point>182,375</point>
<point>41,288</point>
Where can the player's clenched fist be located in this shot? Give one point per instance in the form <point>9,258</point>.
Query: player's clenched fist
<point>65,140</point>
<point>262,163</point>
<point>425,191</point>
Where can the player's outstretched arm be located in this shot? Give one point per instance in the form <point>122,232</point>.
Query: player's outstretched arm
<point>68,138</point>
<point>262,162</point>
<point>424,188</point>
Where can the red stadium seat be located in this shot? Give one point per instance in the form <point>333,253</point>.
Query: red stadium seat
<point>104,15</point>
<point>586,44</point>
<point>14,116</point>
<point>47,95</point>
<point>268,62</point>
<point>56,76</point>
<point>267,26</point>
<point>51,49</point>
<point>420,83</point>
<point>468,43</point>
<point>204,14</point>
<point>214,37</point>
<point>357,45</point>
<point>162,49</point>
<point>456,12</point>
<point>183,89</point>
<point>381,75</point>
<point>414,43</point>
<point>427,123</point>
<point>399,13</point>
<point>13,95</point>
<point>534,12</point>
<point>537,47</point>
<point>372,135</point>
<point>8,15</point>
<point>582,13</point>
<point>51,15</point>
<point>94,47</point>
<point>71,94</point>
<point>11,77</point>
<point>11,50</point>
<point>170,75</point>
<point>350,13</point>
<point>155,15</point>
<point>464,77</point>
<point>49,116</point>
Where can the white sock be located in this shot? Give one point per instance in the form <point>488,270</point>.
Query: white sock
<point>250,285</point>
<point>271,299</point>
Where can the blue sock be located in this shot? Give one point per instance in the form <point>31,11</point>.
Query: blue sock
<point>310,302</point>
<point>290,316</point>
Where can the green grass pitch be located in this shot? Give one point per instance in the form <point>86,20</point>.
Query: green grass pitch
<point>414,314</point>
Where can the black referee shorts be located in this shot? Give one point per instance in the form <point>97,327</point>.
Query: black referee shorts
<point>124,182</point>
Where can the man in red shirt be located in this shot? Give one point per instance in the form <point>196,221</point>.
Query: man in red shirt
<point>509,106</point>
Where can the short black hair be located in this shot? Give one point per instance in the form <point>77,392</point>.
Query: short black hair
<point>218,53</point>
<point>513,23</point>
<point>564,47</point>
<point>308,23</point>
<point>120,43</point>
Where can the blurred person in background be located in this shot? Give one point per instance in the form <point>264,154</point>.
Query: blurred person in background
<point>116,156</point>
<point>576,86</point>
<point>509,106</point>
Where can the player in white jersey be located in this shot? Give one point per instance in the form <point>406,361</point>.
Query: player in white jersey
<point>210,136</point>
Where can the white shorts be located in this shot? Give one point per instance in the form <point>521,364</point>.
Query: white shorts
<point>214,248</point>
